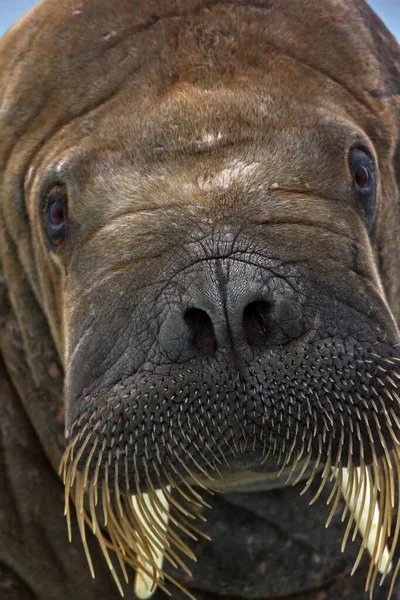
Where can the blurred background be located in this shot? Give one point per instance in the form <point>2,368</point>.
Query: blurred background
<point>10,10</point>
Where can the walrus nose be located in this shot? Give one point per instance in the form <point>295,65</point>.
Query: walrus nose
<point>246,323</point>
<point>204,327</point>
<point>220,305</point>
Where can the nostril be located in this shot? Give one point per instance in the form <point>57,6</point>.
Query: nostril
<point>202,330</point>
<point>256,318</point>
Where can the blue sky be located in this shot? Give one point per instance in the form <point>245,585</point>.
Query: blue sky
<point>389,11</point>
<point>10,10</point>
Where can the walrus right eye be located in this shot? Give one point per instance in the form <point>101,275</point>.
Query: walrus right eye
<point>364,183</point>
<point>56,216</point>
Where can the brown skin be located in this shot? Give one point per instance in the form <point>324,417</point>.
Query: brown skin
<point>116,107</point>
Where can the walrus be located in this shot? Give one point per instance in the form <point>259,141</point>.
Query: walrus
<point>199,292</point>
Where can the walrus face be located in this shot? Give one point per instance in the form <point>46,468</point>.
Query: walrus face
<point>222,312</point>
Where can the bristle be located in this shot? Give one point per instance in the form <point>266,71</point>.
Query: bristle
<point>103,544</point>
<point>311,437</point>
<point>324,479</point>
<point>335,493</point>
<point>144,585</point>
<point>360,496</point>
<point>79,495</point>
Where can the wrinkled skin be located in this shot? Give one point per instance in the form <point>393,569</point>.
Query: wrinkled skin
<point>204,147</point>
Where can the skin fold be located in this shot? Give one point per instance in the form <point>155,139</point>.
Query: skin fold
<point>216,254</point>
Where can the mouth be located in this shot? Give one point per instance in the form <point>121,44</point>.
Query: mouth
<point>143,455</point>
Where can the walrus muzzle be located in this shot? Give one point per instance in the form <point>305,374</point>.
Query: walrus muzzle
<point>241,355</point>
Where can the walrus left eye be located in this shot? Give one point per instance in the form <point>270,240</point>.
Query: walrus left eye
<point>56,215</point>
<point>364,182</point>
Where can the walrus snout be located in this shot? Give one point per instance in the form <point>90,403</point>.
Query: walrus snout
<point>251,366</point>
<point>248,363</point>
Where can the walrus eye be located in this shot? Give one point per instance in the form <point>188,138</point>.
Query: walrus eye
<point>364,182</point>
<point>362,177</point>
<point>56,215</point>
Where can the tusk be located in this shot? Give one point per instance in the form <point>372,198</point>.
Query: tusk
<point>361,511</point>
<point>145,586</point>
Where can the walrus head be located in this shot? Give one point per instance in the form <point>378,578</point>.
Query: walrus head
<point>213,234</point>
